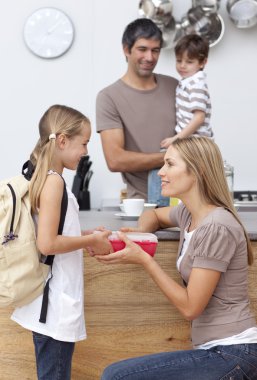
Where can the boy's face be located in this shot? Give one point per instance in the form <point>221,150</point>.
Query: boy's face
<point>187,67</point>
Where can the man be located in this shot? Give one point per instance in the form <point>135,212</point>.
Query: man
<point>134,114</point>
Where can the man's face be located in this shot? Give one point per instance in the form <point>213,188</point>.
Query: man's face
<point>143,56</point>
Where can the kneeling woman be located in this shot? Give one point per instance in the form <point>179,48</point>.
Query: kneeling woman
<point>213,258</point>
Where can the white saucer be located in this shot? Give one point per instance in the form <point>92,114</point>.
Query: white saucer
<point>126,217</point>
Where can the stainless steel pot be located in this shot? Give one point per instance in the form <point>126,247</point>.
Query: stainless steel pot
<point>210,6</point>
<point>209,25</point>
<point>243,13</point>
<point>169,33</point>
<point>160,11</point>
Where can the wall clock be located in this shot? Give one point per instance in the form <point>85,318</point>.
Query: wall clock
<point>48,32</point>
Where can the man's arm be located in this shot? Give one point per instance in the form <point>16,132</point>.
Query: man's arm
<point>120,160</point>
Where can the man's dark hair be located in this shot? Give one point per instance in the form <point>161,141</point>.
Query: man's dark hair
<point>141,28</point>
<point>194,45</point>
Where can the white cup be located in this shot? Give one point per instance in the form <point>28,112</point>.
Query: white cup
<point>133,207</point>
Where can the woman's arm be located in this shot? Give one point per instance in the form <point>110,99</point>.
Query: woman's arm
<point>152,220</point>
<point>190,301</point>
<point>48,240</point>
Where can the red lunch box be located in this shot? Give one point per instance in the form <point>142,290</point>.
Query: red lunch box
<point>147,241</point>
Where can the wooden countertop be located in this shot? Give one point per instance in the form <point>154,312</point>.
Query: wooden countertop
<point>93,218</point>
<point>126,314</point>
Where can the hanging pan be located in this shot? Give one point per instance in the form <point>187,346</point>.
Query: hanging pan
<point>208,25</point>
<point>243,13</point>
<point>210,6</point>
<point>160,11</point>
<point>169,34</point>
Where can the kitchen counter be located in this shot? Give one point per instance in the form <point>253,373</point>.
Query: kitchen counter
<point>93,218</point>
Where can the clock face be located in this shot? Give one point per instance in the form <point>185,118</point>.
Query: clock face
<point>48,32</point>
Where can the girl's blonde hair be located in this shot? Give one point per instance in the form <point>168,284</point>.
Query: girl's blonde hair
<point>203,158</point>
<point>58,119</point>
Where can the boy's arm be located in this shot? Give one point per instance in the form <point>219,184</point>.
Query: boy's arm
<point>190,129</point>
<point>195,123</point>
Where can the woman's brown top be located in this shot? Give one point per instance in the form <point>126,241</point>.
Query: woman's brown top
<point>218,243</point>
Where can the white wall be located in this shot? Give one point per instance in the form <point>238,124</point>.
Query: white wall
<point>29,85</point>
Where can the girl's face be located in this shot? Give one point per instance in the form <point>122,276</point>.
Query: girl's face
<point>75,148</point>
<point>176,181</point>
<point>186,67</point>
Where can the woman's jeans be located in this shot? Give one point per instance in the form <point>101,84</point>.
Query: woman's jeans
<point>235,362</point>
<point>53,357</point>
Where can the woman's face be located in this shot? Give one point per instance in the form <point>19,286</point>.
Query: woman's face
<point>176,181</point>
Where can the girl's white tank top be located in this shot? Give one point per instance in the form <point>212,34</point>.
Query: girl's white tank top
<point>65,315</point>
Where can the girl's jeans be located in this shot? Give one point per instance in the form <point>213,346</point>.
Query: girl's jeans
<point>53,357</point>
<point>235,362</point>
<point>154,189</point>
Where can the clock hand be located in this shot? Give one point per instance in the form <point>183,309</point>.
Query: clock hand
<point>50,30</point>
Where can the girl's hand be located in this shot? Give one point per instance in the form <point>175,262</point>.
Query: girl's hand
<point>100,244</point>
<point>131,254</point>
<point>89,232</point>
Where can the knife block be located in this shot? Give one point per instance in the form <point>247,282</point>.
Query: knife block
<point>84,200</point>
<point>77,183</point>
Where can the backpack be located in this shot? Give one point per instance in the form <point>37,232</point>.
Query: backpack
<point>22,275</point>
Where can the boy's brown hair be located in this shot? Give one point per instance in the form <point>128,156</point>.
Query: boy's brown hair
<point>194,45</point>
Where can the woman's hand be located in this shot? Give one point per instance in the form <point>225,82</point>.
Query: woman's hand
<point>131,229</point>
<point>131,254</point>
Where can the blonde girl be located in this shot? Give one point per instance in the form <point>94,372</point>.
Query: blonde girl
<point>64,136</point>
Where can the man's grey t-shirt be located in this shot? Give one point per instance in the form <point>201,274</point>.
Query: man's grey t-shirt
<point>146,117</point>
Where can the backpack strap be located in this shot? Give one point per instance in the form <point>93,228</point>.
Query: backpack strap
<point>50,258</point>
<point>28,170</point>
<point>11,235</point>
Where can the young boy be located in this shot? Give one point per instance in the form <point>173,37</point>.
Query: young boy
<point>193,106</point>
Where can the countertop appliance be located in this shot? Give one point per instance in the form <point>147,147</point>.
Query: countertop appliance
<point>245,196</point>
<point>245,200</point>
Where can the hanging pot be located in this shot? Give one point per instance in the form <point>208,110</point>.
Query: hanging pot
<point>209,6</point>
<point>210,26</point>
<point>243,13</point>
<point>196,15</point>
<point>169,33</point>
<point>159,11</point>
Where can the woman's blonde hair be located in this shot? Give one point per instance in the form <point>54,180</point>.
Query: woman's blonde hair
<point>58,119</point>
<point>203,158</point>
